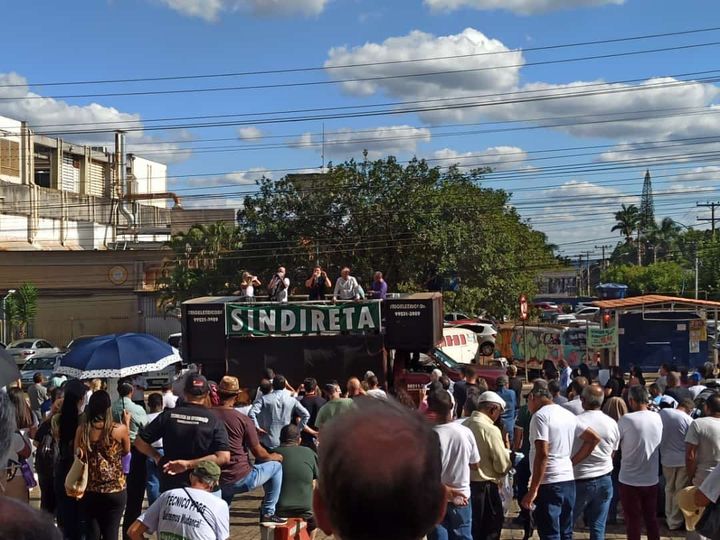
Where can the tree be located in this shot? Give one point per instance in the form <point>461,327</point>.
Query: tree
<point>416,223</point>
<point>646,221</point>
<point>204,263</point>
<point>663,238</point>
<point>21,307</point>
<point>662,277</point>
<point>628,218</point>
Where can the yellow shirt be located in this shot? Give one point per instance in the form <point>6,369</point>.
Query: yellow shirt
<point>494,457</point>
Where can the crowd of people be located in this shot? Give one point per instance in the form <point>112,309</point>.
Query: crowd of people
<point>317,285</point>
<point>356,462</point>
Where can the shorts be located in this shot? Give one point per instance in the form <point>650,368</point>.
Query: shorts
<point>308,517</point>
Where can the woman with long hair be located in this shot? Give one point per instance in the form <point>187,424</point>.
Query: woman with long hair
<point>12,481</point>
<point>64,426</point>
<point>102,443</point>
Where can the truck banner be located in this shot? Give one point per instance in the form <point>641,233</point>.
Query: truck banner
<point>279,319</point>
<point>602,338</point>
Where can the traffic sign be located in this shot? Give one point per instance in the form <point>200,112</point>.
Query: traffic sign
<point>523,307</point>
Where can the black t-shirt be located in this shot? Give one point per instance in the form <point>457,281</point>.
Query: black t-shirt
<point>312,404</point>
<point>318,289</point>
<point>188,432</point>
<point>460,395</point>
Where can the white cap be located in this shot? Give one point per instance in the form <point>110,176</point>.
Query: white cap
<point>437,373</point>
<point>491,397</point>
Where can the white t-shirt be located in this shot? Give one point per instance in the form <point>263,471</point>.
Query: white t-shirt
<point>169,400</point>
<point>150,417</point>
<point>672,447</point>
<point>250,291</point>
<point>378,393</point>
<point>174,516</point>
<point>640,436</point>
<point>711,485</point>
<point>575,406</point>
<point>346,289</point>
<point>459,450</point>
<point>282,294</point>
<point>599,462</point>
<point>705,434</point>
<point>559,427</point>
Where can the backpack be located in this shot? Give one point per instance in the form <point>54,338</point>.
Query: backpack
<point>45,455</point>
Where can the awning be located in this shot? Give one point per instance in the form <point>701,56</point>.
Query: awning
<point>653,300</point>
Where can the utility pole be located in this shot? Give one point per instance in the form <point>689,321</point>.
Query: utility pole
<point>580,288</point>
<point>587,269</point>
<point>697,265</point>
<point>711,219</point>
<point>603,248</point>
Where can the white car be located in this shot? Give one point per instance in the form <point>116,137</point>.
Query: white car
<point>587,313</point>
<point>564,318</point>
<point>23,349</point>
<point>485,334</point>
<point>457,316</point>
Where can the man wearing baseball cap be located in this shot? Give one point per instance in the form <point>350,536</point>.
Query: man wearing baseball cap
<point>191,513</point>
<point>191,433</point>
<point>483,411</point>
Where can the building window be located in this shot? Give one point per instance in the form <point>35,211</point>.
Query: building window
<point>9,157</point>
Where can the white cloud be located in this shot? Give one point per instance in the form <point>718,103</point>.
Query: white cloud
<point>380,141</point>
<point>210,10</point>
<point>498,158</point>
<point>488,88</point>
<point>564,219</point>
<point>419,45</point>
<point>45,114</point>
<point>521,7</point>
<point>247,177</point>
<point>700,174</point>
<point>249,133</point>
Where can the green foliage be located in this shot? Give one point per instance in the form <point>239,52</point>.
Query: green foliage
<point>204,263</point>
<point>662,277</point>
<point>628,219</point>
<point>413,222</point>
<point>21,307</point>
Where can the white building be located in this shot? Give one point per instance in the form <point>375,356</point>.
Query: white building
<point>59,195</point>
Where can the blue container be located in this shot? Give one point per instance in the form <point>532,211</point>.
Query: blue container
<point>611,291</point>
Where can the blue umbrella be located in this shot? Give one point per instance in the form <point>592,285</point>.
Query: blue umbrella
<point>117,356</point>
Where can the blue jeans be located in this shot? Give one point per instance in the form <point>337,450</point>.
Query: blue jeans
<point>268,475</point>
<point>153,479</point>
<point>554,510</point>
<point>456,525</point>
<point>592,499</point>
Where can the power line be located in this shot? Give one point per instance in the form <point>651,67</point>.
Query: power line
<point>365,64</point>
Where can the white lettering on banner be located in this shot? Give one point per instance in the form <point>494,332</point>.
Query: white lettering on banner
<point>334,316</point>
<point>366,318</point>
<point>348,317</point>
<point>287,321</point>
<point>266,321</point>
<point>237,321</point>
<point>316,321</point>
<point>303,321</point>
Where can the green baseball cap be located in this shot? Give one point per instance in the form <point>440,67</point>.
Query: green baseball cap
<point>207,470</point>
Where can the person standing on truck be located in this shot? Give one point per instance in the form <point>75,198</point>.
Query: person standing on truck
<point>346,287</point>
<point>379,287</point>
<point>274,411</point>
<point>318,284</point>
<point>247,286</point>
<point>279,286</point>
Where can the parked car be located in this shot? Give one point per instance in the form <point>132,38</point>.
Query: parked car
<point>564,318</point>
<point>42,362</point>
<point>455,316</point>
<point>547,306</point>
<point>23,349</point>
<point>589,313</point>
<point>485,334</point>
<point>78,340</point>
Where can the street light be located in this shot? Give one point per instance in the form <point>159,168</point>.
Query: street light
<point>5,319</point>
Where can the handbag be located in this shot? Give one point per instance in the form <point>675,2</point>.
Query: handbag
<point>709,523</point>
<point>77,478</point>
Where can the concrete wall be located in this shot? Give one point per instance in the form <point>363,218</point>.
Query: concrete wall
<point>150,177</point>
<point>61,319</point>
<point>10,131</point>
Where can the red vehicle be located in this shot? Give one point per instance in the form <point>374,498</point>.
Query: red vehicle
<point>411,372</point>
<point>547,306</point>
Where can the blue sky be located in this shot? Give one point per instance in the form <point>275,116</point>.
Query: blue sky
<point>568,180</point>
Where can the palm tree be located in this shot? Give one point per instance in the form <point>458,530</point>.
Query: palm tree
<point>628,218</point>
<point>22,307</point>
<point>664,237</point>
